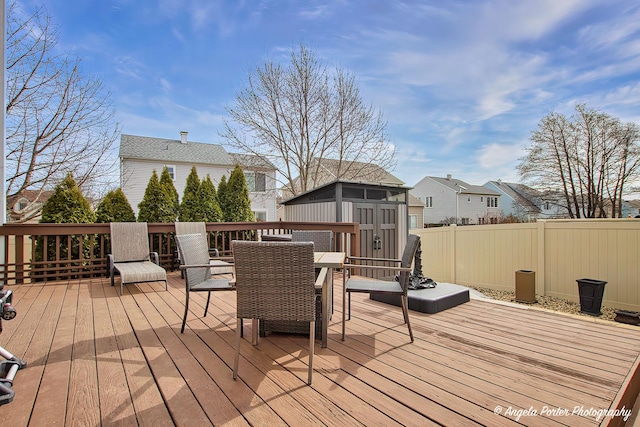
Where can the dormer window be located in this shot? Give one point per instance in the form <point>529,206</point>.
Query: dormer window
<point>21,205</point>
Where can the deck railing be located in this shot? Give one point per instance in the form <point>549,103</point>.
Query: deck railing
<point>68,251</point>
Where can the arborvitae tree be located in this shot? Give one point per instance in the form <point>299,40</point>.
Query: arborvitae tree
<point>66,205</point>
<point>191,208</point>
<point>209,201</point>
<point>115,208</point>
<point>167,182</point>
<point>157,205</point>
<point>222,196</point>
<point>238,204</point>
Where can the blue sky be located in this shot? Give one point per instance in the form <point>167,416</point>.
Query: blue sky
<point>461,83</point>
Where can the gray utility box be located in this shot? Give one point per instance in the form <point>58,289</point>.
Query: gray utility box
<point>526,286</point>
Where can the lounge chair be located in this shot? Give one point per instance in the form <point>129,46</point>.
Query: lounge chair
<point>130,255</point>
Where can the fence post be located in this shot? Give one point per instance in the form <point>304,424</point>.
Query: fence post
<point>452,254</point>
<point>540,261</point>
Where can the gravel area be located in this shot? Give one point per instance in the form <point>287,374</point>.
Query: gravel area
<point>549,303</point>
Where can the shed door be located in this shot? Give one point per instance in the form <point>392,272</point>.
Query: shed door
<point>378,232</point>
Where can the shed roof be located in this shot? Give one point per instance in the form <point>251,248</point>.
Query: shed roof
<point>342,181</point>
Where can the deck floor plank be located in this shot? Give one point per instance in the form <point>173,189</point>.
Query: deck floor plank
<point>148,404</point>
<point>50,407</point>
<point>83,407</point>
<point>97,358</point>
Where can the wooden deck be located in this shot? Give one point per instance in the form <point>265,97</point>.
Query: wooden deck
<point>95,358</point>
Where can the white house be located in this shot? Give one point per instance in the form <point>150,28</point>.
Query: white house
<point>140,155</point>
<point>525,202</point>
<point>448,200</point>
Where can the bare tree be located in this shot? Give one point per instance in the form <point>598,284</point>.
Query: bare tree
<point>590,158</point>
<point>295,115</point>
<point>58,119</point>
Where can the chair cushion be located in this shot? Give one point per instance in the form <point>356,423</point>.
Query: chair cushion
<point>365,284</point>
<point>144,271</point>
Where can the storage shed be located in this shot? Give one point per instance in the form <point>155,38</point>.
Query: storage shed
<point>380,209</point>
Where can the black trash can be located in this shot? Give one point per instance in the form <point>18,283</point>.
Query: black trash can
<point>591,292</point>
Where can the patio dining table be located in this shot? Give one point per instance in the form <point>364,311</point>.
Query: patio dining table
<point>328,261</point>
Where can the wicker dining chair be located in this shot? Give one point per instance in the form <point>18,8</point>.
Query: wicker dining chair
<point>275,281</point>
<point>197,270</point>
<point>130,256</point>
<point>322,239</point>
<point>375,286</point>
<point>322,242</point>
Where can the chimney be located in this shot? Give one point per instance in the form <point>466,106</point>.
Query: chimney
<point>448,177</point>
<point>183,137</point>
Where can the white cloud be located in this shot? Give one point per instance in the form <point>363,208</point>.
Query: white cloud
<point>495,155</point>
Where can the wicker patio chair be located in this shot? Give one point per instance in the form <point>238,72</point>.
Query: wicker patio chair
<point>197,270</point>
<point>130,255</point>
<point>322,242</point>
<point>322,239</point>
<point>275,281</point>
<point>389,287</point>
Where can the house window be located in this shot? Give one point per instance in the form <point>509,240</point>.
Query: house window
<point>465,221</point>
<point>492,202</point>
<point>261,216</point>
<point>256,181</point>
<point>22,205</point>
<point>172,171</point>
<point>546,206</point>
<point>481,199</point>
<point>413,221</point>
<point>428,202</point>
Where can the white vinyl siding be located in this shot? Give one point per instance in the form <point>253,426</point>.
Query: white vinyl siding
<point>135,174</point>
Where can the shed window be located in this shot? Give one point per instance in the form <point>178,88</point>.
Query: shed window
<point>376,194</point>
<point>352,193</point>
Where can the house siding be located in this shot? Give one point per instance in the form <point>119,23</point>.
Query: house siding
<point>135,175</point>
<point>448,203</point>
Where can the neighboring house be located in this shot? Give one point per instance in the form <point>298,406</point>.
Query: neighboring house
<point>525,202</point>
<point>26,206</point>
<point>416,212</point>
<point>448,200</point>
<point>630,208</point>
<point>140,155</point>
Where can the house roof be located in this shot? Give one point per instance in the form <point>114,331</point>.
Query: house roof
<point>172,150</point>
<point>414,201</point>
<point>250,161</point>
<point>520,193</point>
<point>632,203</point>
<point>463,187</point>
<point>358,171</point>
<point>32,196</point>
<point>348,170</point>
